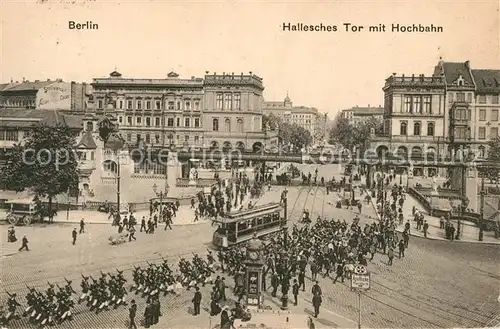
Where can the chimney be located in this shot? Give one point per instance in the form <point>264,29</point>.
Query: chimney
<point>206,72</point>
<point>215,73</point>
<point>37,80</point>
<point>192,77</point>
<point>467,64</point>
<point>48,80</point>
<point>250,72</point>
<point>412,77</point>
<point>241,73</point>
<point>394,74</point>
<point>368,105</point>
<point>24,80</point>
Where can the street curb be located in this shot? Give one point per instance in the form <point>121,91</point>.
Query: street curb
<point>4,222</point>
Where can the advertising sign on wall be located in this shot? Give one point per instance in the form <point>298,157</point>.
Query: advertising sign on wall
<point>56,96</point>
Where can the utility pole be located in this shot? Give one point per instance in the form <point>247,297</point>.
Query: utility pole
<point>481,218</point>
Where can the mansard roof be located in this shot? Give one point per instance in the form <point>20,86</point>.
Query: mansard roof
<point>487,80</point>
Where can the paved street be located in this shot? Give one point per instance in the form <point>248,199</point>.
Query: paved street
<point>437,284</point>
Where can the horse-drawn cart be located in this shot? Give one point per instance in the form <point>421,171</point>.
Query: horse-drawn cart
<point>23,212</point>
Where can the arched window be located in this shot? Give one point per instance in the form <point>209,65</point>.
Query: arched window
<point>110,166</point>
<point>239,125</point>
<point>403,128</point>
<point>430,129</point>
<point>227,124</point>
<point>416,129</point>
<point>215,124</point>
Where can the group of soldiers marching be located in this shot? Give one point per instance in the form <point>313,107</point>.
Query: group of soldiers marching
<point>44,309</point>
<point>105,292</point>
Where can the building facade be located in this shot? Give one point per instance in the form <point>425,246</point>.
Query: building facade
<point>156,112</point>
<point>356,115</point>
<point>413,120</point>
<point>233,112</point>
<point>45,95</point>
<point>452,113</point>
<point>308,118</point>
<point>218,111</point>
<point>472,98</point>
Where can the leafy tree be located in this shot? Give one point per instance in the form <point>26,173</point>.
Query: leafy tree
<point>45,163</point>
<point>288,133</point>
<point>494,157</point>
<point>353,135</point>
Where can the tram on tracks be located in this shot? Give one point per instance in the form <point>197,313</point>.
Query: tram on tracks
<point>239,227</point>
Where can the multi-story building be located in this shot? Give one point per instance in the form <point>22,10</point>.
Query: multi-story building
<point>45,95</point>
<point>233,112</point>
<point>222,110</point>
<point>472,98</point>
<point>357,114</point>
<point>413,120</point>
<point>306,117</point>
<point>158,112</point>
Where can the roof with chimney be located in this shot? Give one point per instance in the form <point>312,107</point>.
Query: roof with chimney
<point>366,110</point>
<point>456,73</point>
<point>487,81</point>
<point>87,141</point>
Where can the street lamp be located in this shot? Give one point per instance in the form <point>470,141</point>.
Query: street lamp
<point>115,143</point>
<point>161,195</point>
<point>285,281</point>
<point>481,219</point>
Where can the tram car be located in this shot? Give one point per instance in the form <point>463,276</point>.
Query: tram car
<point>240,226</point>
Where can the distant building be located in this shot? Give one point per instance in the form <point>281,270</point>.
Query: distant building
<point>45,95</point>
<point>357,114</point>
<point>308,118</point>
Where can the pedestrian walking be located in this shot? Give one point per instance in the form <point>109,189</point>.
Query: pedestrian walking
<point>196,301</point>
<point>390,254</point>
<point>295,291</point>
<point>316,301</point>
<point>82,226</point>
<point>148,314</point>
<point>131,234</point>
<point>143,224</point>
<point>168,223</point>
<point>401,246</point>
<point>24,244</point>
<point>132,311</point>
<point>74,234</point>
<point>425,228</point>
<point>302,280</point>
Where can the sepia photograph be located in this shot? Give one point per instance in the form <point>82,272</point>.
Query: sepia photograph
<point>230,164</point>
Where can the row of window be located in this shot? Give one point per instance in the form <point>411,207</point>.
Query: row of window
<point>157,138</point>
<point>418,104</point>
<point>467,97</point>
<point>9,135</point>
<point>417,130</point>
<point>137,104</point>
<point>228,101</point>
<point>159,122</point>
<point>19,102</point>
<point>227,125</point>
<point>482,132</point>
<point>493,115</point>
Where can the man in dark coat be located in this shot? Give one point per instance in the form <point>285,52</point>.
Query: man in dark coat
<point>148,314</point>
<point>316,301</point>
<point>74,234</point>
<point>131,314</point>
<point>295,291</point>
<point>197,301</point>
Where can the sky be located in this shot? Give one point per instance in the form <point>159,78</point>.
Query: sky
<point>327,70</point>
